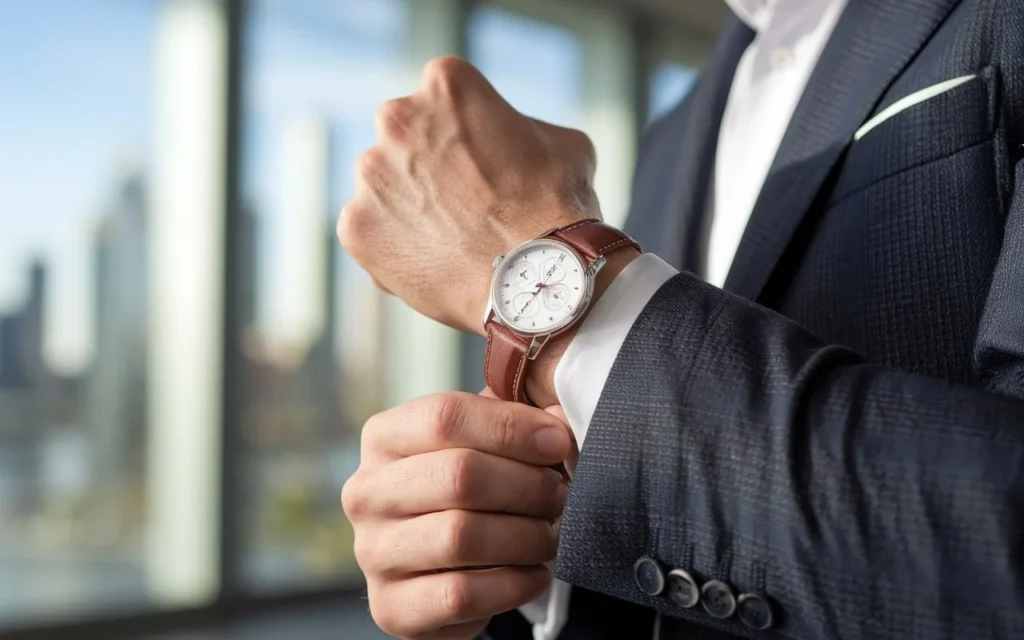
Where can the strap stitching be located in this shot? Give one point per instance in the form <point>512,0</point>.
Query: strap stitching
<point>626,239</point>
<point>519,375</point>
<point>487,355</point>
<point>577,224</point>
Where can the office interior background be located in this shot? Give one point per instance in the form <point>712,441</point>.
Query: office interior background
<point>186,355</point>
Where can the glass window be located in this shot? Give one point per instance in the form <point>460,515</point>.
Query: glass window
<point>85,119</point>
<point>536,66</point>
<point>669,84</point>
<point>314,343</point>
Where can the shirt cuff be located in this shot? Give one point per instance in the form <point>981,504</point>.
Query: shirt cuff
<point>587,361</point>
<point>579,381</point>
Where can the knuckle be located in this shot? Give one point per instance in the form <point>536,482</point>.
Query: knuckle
<point>456,535</point>
<point>459,476</point>
<point>351,498</point>
<point>505,427</point>
<point>350,502</point>
<point>363,549</point>
<point>368,165</point>
<point>443,416</point>
<point>445,73</point>
<point>548,544</point>
<point>456,597</point>
<point>393,118</point>
<point>352,225</point>
<point>368,440</point>
<point>384,615</point>
<point>584,143</point>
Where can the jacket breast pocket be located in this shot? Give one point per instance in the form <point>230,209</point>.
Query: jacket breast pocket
<point>933,128</point>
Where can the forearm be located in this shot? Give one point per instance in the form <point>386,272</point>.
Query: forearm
<point>731,442</point>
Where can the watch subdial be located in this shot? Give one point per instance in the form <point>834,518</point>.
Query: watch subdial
<point>525,305</point>
<point>552,271</point>
<point>524,275</point>
<point>556,297</point>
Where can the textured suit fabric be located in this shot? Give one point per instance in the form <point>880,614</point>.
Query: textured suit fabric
<point>842,430</point>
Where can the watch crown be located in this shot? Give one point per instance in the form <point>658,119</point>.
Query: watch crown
<point>497,260</point>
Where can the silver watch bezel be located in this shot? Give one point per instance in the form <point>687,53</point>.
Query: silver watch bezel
<point>540,337</point>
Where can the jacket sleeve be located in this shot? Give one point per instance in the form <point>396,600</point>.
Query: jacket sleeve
<point>861,502</point>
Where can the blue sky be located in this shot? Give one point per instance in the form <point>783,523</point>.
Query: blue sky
<point>77,82</point>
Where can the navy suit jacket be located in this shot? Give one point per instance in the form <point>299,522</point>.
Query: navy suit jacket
<point>840,431</point>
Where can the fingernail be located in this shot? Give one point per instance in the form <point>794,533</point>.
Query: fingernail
<point>552,442</point>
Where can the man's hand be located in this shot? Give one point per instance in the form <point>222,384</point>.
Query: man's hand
<point>457,177</point>
<point>455,511</point>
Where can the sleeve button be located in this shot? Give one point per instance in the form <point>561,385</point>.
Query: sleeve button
<point>754,611</point>
<point>717,598</point>
<point>682,588</point>
<point>649,576</point>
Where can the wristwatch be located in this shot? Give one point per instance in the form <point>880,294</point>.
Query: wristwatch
<point>540,289</point>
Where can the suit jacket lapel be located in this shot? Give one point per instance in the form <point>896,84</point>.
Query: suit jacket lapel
<point>872,43</point>
<point>693,151</point>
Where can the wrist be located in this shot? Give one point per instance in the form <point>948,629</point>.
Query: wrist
<point>540,375</point>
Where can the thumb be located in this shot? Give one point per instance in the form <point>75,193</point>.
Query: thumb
<point>574,451</point>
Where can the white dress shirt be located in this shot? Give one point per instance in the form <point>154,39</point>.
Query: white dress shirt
<point>768,84</point>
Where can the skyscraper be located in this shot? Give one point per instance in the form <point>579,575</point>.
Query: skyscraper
<point>117,385</point>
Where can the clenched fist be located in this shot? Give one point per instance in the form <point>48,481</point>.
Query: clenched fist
<point>455,510</point>
<point>458,176</point>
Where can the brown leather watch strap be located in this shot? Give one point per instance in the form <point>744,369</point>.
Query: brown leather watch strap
<point>593,238</point>
<point>505,363</point>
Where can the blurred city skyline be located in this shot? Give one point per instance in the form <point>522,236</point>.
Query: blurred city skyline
<point>332,61</point>
<point>80,167</point>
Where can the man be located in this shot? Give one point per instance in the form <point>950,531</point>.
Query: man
<point>831,445</point>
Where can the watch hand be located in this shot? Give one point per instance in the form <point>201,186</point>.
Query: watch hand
<point>540,285</point>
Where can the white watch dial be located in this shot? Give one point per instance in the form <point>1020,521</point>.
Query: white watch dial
<point>539,287</point>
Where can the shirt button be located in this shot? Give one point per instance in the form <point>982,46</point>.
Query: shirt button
<point>682,588</point>
<point>782,58</point>
<point>649,576</point>
<point>754,611</point>
<point>717,598</point>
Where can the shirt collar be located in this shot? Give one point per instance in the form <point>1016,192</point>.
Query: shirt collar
<point>757,14</point>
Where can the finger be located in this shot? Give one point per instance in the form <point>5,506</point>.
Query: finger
<point>410,608</point>
<point>464,631</point>
<point>394,119</point>
<point>487,393</point>
<point>467,421</point>
<point>457,540</point>
<point>461,479</point>
<point>574,452</point>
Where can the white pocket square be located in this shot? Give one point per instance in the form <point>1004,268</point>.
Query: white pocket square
<point>913,99</point>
